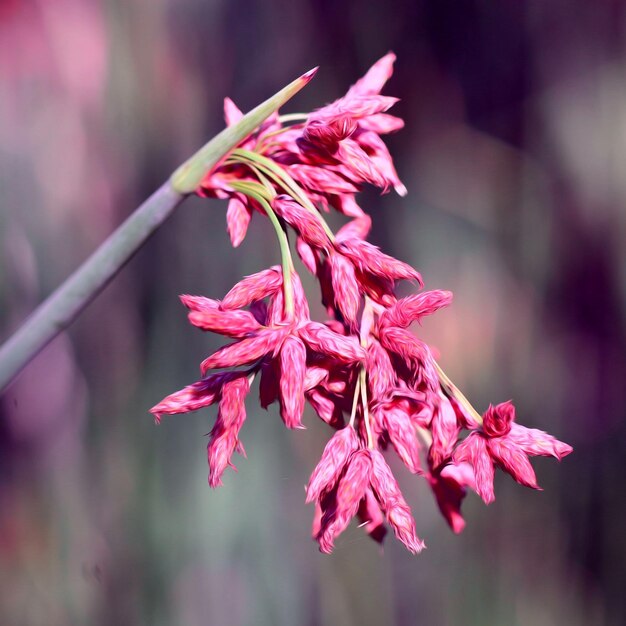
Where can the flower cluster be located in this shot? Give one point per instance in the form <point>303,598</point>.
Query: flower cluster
<point>362,370</point>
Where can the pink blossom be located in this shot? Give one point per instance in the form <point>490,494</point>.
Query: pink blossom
<point>401,432</point>
<point>370,260</point>
<point>345,287</point>
<point>445,431</point>
<point>412,308</point>
<point>246,351</point>
<point>394,506</point>
<point>302,220</point>
<point>252,288</point>
<point>361,366</point>
<point>196,396</point>
<point>320,338</point>
<point>225,434</point>
<point>292,368</point>
<point>336,453</point>
<point>371,517</point>
<point>238,218</point>
<point>380,371</point>
<point>495,446</point>
<point>449,484</point>
<point>350,491</point>
<point>228,323</point>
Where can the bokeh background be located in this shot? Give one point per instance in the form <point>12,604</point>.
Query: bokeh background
<point>514,155</point>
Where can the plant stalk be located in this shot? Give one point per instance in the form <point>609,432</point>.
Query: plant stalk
<point>60,309</point>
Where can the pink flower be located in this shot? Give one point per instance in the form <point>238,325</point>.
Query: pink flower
<point>400,429</point>
<point>334,458</point>
<point>292,369</point>
<point>394,506</point>
<point>196,396</point>
<point>362,370</point>
<point>350,490</point>
<point>225,434</point>
<point>412,308</point>
<point>449,484</point>
<point>371,517</point>
<point>238,218</point>
<point>253,288</point>
<point>495,446</point>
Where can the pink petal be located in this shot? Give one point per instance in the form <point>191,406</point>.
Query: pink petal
<point>371,517</point>
<point>538,443</point>
<point>320,179</point>
<point>412,308</point>
<point>473,450</point>
<point>238,218</point>
<point>375,78</point>
<point>254,287</point>
<point>292,367</point>
<point>381,375</point>
<point>199,303</point>
<point>445,431</point>
<point>228,323</point>
<point>193,397</point>
<point>512,460</point>
<point>381,123</point>
<point>307,255</point>
<point>232,114</point>
<point>246,351</point>
<point>350,491</point>
<point>330,466</point>
<point>393,504</point>
<point>497,419</point>
<point>346,288</point>
<point>403,437</point>
<point>368,258</point>
<point>320,338</point>
<point>224,436</point>
<point>308,226</point>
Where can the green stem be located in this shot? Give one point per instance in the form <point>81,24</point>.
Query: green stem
<point>60,309</point>
<point>67,301</point>
<point>282,178</point>
<point>189,175</point>
<point>293,117</point>
<point>366,412</point>
<point>285,257</point>
<point>283,242</point>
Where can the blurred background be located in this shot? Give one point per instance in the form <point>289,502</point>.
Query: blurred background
<point>513,154</point>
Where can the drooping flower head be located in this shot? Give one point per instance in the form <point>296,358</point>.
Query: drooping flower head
<point>361,369</point>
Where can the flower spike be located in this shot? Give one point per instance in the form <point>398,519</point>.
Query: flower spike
<point>362,370</point>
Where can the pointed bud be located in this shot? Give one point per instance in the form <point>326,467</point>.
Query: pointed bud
<point>253,288</point>
<point>225,434</point>
<point>393,504</point>
<point>292,367</point>
<point>335,455</point>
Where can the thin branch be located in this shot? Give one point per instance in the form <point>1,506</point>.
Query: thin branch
<point>60,309</point>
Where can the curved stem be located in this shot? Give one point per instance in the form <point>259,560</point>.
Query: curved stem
<point>283,179</point>
<point>355,400</point>
<point>67,301</point>
<point>285,257</point>
<point>452,391</point>
<point>263,198</point>
<point>366,412</point>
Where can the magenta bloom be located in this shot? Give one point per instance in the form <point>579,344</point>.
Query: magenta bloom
<point>501,443</point>
<point>360,368</point>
